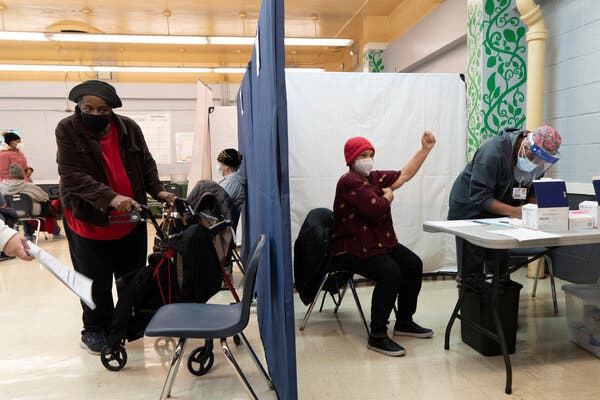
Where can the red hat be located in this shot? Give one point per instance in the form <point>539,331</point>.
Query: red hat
<point>354,146</point>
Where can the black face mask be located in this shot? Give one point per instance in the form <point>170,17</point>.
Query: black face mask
<point>95,123</point>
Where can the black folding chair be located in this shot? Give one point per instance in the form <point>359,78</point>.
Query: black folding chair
<point>335,278</point>
<point>23,205</point>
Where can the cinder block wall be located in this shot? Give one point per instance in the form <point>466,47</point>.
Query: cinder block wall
<point>573,85</point>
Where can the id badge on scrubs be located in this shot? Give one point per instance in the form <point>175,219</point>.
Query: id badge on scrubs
<point>519,193</point>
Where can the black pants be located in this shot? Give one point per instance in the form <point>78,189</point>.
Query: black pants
<point>474,261</point>
<point>397,275</point>
<point>101,260</point>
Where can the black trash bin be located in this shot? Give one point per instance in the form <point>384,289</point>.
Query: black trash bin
<point>477,307</point>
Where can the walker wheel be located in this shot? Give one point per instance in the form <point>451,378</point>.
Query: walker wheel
<point>113,359</point>
<point>165,346</point>
<point>200,361</point>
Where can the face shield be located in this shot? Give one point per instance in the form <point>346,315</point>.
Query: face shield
<point>541,154</point>
<point>527,170</point>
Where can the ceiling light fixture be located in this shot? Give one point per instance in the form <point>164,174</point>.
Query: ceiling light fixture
<point>42,68</point>
<point>84,68</point>
<point>224,70</point>
<point>24,36</point>
<point>162,39</point>
<point>318,42</point>
<point>189,70</point>
<point>306,69</point>
<point>142,39</point>
<point>232,40</point>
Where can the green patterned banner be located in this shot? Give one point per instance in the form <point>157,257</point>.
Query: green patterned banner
<point>374,60</point>
<point>496,70</point>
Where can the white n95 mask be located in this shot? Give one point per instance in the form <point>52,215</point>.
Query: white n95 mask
<point>364,166</point>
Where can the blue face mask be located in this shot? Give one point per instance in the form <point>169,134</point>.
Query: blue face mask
<point>525,164</point>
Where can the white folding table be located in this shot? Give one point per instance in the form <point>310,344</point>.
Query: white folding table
<point>480,235</point>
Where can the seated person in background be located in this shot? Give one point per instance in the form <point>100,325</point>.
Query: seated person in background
<point>7,214</point>
<point>28,173</point>
<point>496,183</point>
<point>10,218</point>
<point>41,206</point>
<point>364,241</point>
<point>11,151</point>
<point>234,183</point>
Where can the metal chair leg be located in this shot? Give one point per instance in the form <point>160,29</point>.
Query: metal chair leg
<point>312,304</point>
<point>238,261</point>
<point>37,231</point>
<point>535,282</point>
<point>323,301</point>
<point>340,298</point>
<point>237,368</point>
<point>175,361</point>
<point>257,361</point>
<point>552,286</point>
<point>357,301</point>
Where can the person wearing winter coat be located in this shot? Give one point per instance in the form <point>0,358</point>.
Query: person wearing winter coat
<point>11,151</point>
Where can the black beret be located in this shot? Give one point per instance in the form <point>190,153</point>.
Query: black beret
<point>96,88</point>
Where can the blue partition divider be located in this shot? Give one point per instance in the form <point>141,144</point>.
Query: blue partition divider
<point>244,114</point>
<point>262,135</point>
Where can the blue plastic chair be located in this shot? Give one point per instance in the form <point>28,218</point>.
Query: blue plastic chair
<point>210,321</point>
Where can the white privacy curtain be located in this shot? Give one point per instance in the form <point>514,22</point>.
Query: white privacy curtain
<point>200,162</point>
<point>223,134</point>
<point>392,111</point>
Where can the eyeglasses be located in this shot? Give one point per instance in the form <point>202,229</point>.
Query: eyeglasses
<point>86,109</point>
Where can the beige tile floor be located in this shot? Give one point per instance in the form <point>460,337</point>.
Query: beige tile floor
<point>40,356</point>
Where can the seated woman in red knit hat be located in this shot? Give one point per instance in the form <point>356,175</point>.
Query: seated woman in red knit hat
<point>364,241</point>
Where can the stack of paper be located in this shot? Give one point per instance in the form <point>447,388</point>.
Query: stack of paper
<point>523,234</point>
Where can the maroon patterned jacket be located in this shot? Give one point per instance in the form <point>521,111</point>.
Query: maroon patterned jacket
<point>363,223</point>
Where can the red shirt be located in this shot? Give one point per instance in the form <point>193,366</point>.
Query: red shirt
<point>363,223</point>
<point>118,182</point>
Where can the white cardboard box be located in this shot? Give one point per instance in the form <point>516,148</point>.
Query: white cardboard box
<point>580,220</point>
<point>591,208</point>
<point>549,218</point>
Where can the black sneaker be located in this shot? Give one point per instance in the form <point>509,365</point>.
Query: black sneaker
<point>93,342</point>
<point>386,346</point>
<point>412,329</point>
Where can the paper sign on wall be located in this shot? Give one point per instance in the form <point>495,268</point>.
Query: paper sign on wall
<point>156,127</point>
<point>183,146</point>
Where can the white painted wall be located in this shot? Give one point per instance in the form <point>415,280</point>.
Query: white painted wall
<point>451,59</point>
<point>34,108</point>
<point>431,45</point>
<point>572,103</point>
<point>573,84</point>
